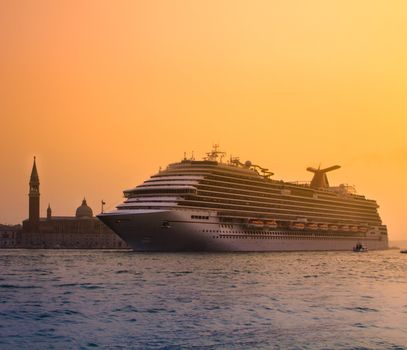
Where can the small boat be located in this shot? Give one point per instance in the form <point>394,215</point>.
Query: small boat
<point>323,227</point>
<point>312,226</point>
<point>270,224</point>
<point>360,248</point>
<point>333,227</point>
<point>297,225</point>
<point>403,251</point>
<point>254,223</point>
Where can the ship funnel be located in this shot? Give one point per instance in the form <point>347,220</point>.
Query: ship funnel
<point>320,180</point>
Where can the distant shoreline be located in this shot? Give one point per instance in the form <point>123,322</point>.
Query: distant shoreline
<point>397,244</point>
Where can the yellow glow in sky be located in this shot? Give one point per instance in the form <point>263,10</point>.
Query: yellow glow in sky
<point>105,92</point>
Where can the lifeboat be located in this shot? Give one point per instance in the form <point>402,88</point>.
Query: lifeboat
<point>362,228</point>
<point>270,224</point>
<point>345,228</point>
<point>354,228</point>
<point>323,227</point>
<point>297,225</point>
<point>312,226</point>
<point>333,227</point>
<point>255,224</point>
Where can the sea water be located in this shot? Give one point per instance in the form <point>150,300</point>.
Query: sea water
<point>72,299</point>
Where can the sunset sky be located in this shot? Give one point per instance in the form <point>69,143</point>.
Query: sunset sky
<point>106,92</point>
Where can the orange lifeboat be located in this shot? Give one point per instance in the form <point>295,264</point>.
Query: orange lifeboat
<point>333,227</point>
<point>297,225</point>
<point>270,223</point>
<point>354,228</point>
<point>255,223</point>
<point>323,227</point>
<point>345,228</point>
<point>312,226</point>
<point>362,228</point>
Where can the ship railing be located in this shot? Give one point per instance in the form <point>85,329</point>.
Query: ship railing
<point>300,183</point>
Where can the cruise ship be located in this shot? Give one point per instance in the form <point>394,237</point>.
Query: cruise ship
<point>212,205</point>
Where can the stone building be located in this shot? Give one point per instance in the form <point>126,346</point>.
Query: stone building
<point>10,236</point>
<point>82,231</point>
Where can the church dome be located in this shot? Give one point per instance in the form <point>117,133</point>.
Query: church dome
<point>84,211</point>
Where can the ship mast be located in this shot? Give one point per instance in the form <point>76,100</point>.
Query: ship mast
<point>215,154</point>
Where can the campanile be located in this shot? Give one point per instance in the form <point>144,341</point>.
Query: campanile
<point>34,199</point>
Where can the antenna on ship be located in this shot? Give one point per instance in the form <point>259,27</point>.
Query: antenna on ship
<point>215,153</point>
<point>234,160</point>
<point>320,180</point>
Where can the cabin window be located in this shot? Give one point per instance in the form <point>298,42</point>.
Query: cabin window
<point>199,217</point>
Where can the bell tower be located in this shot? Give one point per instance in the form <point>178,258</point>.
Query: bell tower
<point>34,199</point>
<point>49,212</point>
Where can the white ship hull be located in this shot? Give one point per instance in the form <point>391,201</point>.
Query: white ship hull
<point>188,230</point>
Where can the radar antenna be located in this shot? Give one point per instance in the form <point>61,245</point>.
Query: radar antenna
<point>320,180</point>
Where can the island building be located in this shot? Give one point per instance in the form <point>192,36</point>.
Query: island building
<point>10,236</point>
<point>82,231</point>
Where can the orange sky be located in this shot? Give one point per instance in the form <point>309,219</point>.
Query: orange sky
<point>105,92</point>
